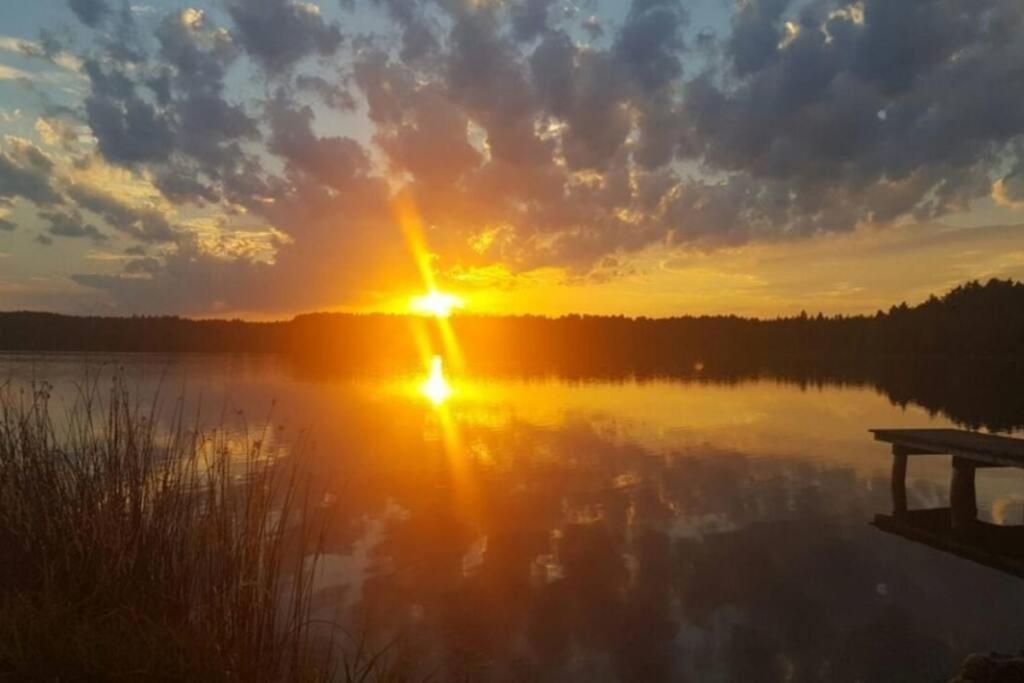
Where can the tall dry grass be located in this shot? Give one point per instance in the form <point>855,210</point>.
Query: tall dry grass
<point>134,546</point>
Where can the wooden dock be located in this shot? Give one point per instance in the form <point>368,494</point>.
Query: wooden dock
<point>955,529</point>
<point>976,446</point>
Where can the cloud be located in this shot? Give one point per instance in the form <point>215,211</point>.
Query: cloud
<point>49,48</point>
<point>332,161</point>
<point>521,145</point>
<point>62,224</point>
<point>141,223</point>
<point>90,12</point>
<point>586,91</point>
<point>806,114</point>
<point>25,172</point>
<point>420,129</point>
<point>530,18</point>
<point>172,113</point>
<point>55,132</point>
<point>199,51</point>
<point>1009,190</point>
<point>756,33</point>
<point>650,42</point>
<point>279,33</point>
<point>129,128</point>
<point>418,34</point>
<point>10,73</point>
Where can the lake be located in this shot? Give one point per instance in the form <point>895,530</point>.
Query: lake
<point>617,529</point>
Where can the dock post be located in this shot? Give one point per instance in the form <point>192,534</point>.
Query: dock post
<point>899,480</point>
<point>963,501</point>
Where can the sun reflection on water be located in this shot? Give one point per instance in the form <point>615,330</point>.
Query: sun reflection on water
<point>436,388</point>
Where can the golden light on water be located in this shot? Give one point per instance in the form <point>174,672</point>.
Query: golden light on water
<point>436,388</point>
<point>435,303</point>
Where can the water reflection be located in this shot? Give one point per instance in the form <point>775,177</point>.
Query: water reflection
<point>567,531</point>
<point>436,387</point>
<point>955,528</point>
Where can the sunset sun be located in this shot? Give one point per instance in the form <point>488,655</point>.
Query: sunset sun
<point>435,303</point>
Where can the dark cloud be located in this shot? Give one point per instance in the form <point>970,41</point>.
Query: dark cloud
<point>587,91</point>
<point>278,33</point>
<point>482,70</point>
<point>6,225</point>
<point>141,223</point>
<point>1010,188</point>
<point>129,129</point>
<point>173,112</point>
<point>530,18</point>
<point>855,126</point>
<point>148,265</point>
<point>25,172</point>
<point>418,34</point>
<point>420,129</point>
<point>650,42</point>
<point>209,130</point>
<point>199,52</point>
<point>332,161</point>
<point>179,184</point>
<point>756,33</point>
<point>122,40</point>
<point>90,12</point>
<point>901,41</point>
<point>484,73</point>
<point>70,224</point>
<point>48,46</point>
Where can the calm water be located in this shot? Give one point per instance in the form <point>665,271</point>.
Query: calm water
<point>641,531</point>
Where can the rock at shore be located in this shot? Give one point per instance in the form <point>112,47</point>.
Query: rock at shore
<point>991,668</point>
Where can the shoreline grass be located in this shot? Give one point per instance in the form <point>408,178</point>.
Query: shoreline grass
<point>140,548</point>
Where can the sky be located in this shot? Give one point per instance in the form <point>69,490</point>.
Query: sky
<point>262,158</point>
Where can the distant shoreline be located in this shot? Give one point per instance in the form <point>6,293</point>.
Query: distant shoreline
<point>971,321</point>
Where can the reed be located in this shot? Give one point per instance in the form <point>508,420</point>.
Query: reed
<point>137,546</point>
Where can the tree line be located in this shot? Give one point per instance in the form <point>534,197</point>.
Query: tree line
<point>974,319</point>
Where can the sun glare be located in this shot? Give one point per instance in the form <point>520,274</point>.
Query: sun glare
<point>436,387</point>
<point>435,303</point>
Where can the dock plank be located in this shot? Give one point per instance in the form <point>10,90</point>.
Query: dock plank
<point>989,448</point>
